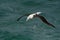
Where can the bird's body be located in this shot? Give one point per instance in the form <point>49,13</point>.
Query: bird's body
<point>31,16</point>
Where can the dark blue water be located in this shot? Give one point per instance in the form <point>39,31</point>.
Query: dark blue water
<point>34,29</point>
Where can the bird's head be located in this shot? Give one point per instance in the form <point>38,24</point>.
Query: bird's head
<point>38,13</point>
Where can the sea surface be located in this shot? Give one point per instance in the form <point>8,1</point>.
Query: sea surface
<point>35,29</point>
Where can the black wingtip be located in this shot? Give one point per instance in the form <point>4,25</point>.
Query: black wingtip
<point>18,19</point>
<point>53,26</point>
<point>22,16</point>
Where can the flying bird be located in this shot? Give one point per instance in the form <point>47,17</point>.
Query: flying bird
<point>31,16</point>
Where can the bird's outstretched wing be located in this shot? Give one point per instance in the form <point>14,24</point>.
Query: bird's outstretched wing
<point>22,16</point>
<point>45,21</point>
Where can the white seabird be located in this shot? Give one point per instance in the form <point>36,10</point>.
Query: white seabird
<point>31,16</point>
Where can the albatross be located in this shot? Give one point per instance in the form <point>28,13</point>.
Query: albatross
<point>31,16</point>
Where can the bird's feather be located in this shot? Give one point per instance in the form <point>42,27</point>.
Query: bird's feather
<point>22,16</point>
<point>45,21</point>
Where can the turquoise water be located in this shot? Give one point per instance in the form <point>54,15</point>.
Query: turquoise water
<point>34,29</point>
